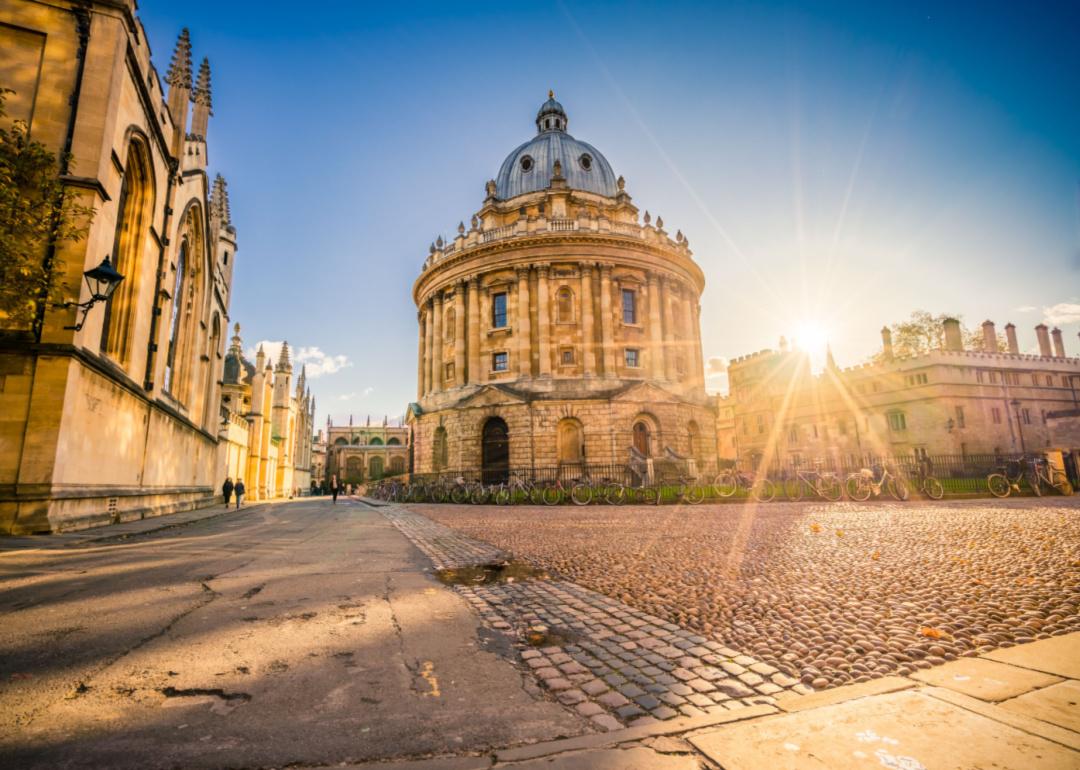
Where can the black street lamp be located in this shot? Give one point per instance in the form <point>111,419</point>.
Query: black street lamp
<point>102,282</point>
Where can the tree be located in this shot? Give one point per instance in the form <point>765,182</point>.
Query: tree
<point>36,212</point>
<point>923,332</point>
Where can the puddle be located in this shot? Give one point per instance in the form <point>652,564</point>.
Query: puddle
<point>483,574</point>
<point>552,637</point>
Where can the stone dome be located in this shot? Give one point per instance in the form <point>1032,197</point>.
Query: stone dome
<point>529,168</point>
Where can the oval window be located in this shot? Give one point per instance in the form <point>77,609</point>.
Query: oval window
<point>586,162</point>
<point>526,164</point>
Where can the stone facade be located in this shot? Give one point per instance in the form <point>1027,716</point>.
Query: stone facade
<point>558,324</point>
<point>118,420</point>
<point>266,428</point>
<point>948,401</point>
<point>357,454</point>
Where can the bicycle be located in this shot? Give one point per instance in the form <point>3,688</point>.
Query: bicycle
<point>927,483</point>
<point>558,490</point>
<point>862,484</point>
<point>824,484</point>
<point>1040,472</point>
<point>731,480</point>
<point>507,491</point>
<point>1006,479</point>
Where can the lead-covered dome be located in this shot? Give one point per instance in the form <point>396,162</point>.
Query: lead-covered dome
<point>529,168</point>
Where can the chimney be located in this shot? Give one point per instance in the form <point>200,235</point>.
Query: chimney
<point>953,339</point>
<point>990,344</point>
<point>1010,335</point>
<point>886,343</point>
<point>1044,340</point>
<point>1059,343</point>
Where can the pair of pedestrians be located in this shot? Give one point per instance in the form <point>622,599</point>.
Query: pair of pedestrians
<point>228,489</point>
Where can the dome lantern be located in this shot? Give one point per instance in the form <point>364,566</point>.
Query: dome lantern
<point>552,116</point>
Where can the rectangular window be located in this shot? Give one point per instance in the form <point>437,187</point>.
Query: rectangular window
<point>760,424</point>
<point>632,358</point>
<point>498,310</point>
<point>979,375</point>
<point>449,373</point>
<point>1049,381</point>
<point>567,357</point>
<point>793,434</point>
<point>959,417</point>
<point>499,362</point>
<point>629,306</point>
<point>815,430</point>
<point>1027,416</point>
<point>897,421</point>
<point>995,415</point>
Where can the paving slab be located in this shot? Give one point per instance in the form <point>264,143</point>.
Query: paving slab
<point>840,694</point>
<point>1037,727</point>
<point>1058,704</point>
<point>636,758</point>
<point>986,679</point>
<point>909,730</point>
<point>1059,655</point>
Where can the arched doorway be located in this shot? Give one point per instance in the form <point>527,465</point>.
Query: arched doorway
<point>375,468</point>
<point>440,450</point>
<point>570,442</point>
<point>495,460</point>
<point>642,438</point>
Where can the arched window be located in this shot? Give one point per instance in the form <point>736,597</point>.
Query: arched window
<point>564,312</point>
<point>341,441</point>
<point>693,439</point>
<point>174,320</point>
<point>375,468</point>
<point>134,215</point>
<point>643,437</point>
<point>397,465</point>
<point>448,327</point>
<point>393,441</point>
<point>440,450</point>
<point>375,441</point>
<point>571,441</point>
<point>354,469</point>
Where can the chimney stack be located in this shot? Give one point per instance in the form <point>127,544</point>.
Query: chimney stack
<point>1044,340</point>
<point>886,343</point>
<point>990,343</point>
<point>1010,335</point>
<point>954,341</point>
<point>1059,343</point>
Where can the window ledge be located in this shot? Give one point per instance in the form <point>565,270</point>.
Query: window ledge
<point>500,330</point>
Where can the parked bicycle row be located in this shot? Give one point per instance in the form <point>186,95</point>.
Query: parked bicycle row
<point>624,486</point>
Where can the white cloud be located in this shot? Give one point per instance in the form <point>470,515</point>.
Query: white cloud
<point>1062,313</point>
<point>354,395</point>
<point>313,359</point>
<point>1025,309</point>
<point>716,365</point>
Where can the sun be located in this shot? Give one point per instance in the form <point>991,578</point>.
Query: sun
<point>813,338</point>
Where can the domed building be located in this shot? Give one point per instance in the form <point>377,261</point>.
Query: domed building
<point>559,327</point>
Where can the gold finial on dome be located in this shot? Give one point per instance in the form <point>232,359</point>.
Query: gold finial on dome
<point>551,93</point>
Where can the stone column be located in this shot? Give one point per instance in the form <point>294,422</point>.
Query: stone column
<point>607,337</point>
<point>459,333</point>
<point>656,332</point>
<point>669,331</point>
<point>689,340</point>
<point>475,373</point>
<point>522,332</point>
<point>588,362</point>
<point>699,356</point>
<point>437,342</point>
<point>421,365</point>
<point>543,320</point>
<point>429,346</point>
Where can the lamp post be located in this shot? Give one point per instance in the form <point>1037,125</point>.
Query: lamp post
<point>102,282</point>
<point>1019,426</point>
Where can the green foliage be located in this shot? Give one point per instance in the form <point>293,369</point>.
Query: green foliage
<point>35,211</point>
<point>923,332</point>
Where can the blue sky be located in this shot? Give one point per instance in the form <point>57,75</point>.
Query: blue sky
<point>838,164</point>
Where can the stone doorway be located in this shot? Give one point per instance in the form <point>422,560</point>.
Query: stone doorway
<point>495,463</point>
<point>641,438</point>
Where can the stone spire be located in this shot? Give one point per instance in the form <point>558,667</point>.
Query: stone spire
<point>179,74</point>
<point>219,202</point>
<point>284,364</point>
<point>200,117</point>
<point>260,359</point>
<point>179,79</point>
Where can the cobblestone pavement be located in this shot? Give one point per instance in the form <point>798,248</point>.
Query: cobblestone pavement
<point>828,594</point>
<point>610,662</point>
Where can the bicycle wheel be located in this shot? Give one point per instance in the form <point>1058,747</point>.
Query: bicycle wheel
<point>551,495</point>
<point>581,493</point>
<point>831,488</point>
<point>649,495</point>
<point>933,488</point>
<point>999,485</point>
<point>502,496</point>
<point>695,493</point>
<point>615,494</point>
<point>726,484</point>
<point>459,494</point>
<point>858,487</point>
<point>1035,482</point>
<point>793,490</point>
<point>763,491</point>
<point>898,489</point>
<point>478,495</point>
<point>1061,483</point>
<point>536,494</point>
<point>678,491</point>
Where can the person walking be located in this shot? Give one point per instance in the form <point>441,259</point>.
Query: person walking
<point>239,490</point>
<point>334,488</point>
<point>227,490</point>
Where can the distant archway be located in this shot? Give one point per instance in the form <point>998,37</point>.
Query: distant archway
<point>495,460</point>
<point>570,441</point>
<point>375,468</point>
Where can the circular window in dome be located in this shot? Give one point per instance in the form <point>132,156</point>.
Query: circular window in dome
<point>527,164</point>
<point>586,162</point>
